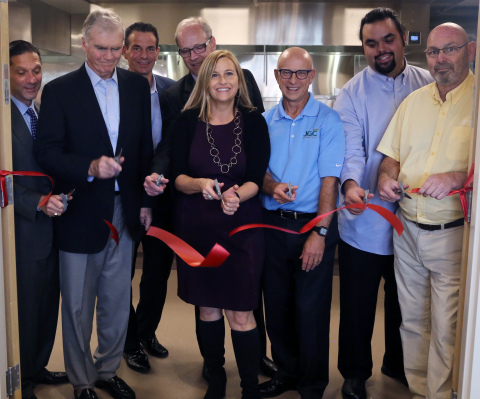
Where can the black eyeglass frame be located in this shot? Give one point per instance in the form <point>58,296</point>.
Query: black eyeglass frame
<point>429,50</point>
<point>197,49</point>
<point>290,72</point>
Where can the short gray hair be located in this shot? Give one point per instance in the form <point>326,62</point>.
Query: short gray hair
<point>105,19</point>
<point>194,21</point>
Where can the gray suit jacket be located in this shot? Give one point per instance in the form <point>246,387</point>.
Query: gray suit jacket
<point>33,229</point>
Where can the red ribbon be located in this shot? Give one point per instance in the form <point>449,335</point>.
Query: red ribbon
<point>462,192</point>
<point>389,216</point>
<point>215,257</point>
<point>114,231</point>
<point>218,254</point>
<point>3,184</point>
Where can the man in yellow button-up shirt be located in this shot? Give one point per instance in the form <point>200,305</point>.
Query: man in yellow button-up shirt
<point>426,147</point>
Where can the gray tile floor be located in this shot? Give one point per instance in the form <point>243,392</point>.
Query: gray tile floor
<point>178,376</point>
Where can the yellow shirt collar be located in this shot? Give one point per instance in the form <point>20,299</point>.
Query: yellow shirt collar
<point>456,93</point>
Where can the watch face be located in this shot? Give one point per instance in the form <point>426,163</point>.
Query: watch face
<point>323,231</point>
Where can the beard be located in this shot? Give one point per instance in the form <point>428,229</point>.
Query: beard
<point>444,78</point>
<point>385,69</point>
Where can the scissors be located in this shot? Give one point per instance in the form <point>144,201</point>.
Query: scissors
<point>217,189</point>
<point>365,199</point>
<point>289,192</point>
<point>158,181</point>
<point>65,198</point>
<point>401,191</point>
<point>117,159</point>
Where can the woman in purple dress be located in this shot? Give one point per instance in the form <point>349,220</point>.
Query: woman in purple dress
<point>221,136</point>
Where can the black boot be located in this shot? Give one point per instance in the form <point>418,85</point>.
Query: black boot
<point>212,334</point>
<point>246,345</point>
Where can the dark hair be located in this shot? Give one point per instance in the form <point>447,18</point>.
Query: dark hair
<point>141,27</point>
<point>19,47</point>
<point>381,14</point>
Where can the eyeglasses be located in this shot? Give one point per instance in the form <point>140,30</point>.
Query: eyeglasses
<point>301,74</point>
<point>197,49</point>
<point>448,51</point>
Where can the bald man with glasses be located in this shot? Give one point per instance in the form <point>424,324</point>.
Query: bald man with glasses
<point>427,147</point>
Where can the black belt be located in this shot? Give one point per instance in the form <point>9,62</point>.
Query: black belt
<point>293,214</point>
<point>433,227</point>
<point>117,192</point>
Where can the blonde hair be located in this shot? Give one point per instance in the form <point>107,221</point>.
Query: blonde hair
<point>200,97</point>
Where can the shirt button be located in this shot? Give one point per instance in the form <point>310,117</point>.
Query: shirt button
<point>433,153</point>
<point>426,174</point>
<point>293,135</point>
<point>293,124</point>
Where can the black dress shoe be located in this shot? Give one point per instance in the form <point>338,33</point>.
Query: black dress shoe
<point>205,372</point>
<point>267,367</point>
<point>154,348</point>
<point>116,387</point>
<point>51,378</point>
<point>274,387</point>
<point>354,388</point>
<point>29,397</point>
<point>137,361</point>
<point>400,377</point>
<point>86,394</point>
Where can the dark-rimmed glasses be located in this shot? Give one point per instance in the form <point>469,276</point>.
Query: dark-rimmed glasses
<point>197,49</point>
<point>448,51</point>
<point>301,74</point>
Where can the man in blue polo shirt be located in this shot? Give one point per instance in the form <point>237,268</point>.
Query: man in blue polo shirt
<point>307,151</point>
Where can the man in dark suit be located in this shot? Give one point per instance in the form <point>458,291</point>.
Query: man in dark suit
<point>38,287</point>
<point>88,116</point>
<point>195,42</point>
<point>141,51</point>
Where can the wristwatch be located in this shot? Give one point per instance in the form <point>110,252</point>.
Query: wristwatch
<point>320,230</point>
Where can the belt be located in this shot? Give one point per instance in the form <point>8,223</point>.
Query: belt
<point>433,227</point>
<point>293,214</point>
<point>117,192</point>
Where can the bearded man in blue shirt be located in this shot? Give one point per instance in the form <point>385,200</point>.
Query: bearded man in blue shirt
<point>366,104</point>
<point>307,151</point>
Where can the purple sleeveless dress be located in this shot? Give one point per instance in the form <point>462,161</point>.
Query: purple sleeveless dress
<point>235,285</point>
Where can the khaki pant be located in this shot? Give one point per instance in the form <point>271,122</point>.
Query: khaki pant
<point>427,270</point>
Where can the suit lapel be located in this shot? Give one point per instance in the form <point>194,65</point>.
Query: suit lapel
<point>124,107</point>
<point>88,101</point>
<point>20,128</point>
<point>188,87</point>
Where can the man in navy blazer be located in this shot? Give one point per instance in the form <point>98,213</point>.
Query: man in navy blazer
<point>38,287</point>
<point>95,136</point>
<point>141,51</point>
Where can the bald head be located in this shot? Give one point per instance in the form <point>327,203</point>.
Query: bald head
<point>449,29</point>
<point>294,75</point>
<point>295,54</point>
<point>449,69</point>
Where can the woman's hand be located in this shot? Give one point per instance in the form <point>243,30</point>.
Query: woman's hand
<point>231,202</point>
<point>208,189</point>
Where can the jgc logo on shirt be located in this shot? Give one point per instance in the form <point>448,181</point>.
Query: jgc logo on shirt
<point>310,134</point>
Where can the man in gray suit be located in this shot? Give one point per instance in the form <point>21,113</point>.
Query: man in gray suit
<point>37,258</point>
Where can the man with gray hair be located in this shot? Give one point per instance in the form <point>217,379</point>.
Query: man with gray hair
<point>95,137</point>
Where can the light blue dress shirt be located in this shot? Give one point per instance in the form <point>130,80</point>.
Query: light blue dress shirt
<point>303,151</point>
<point>23,110</point>
<point>366,104</point>
<point>108,99</point>
<point>156,114</point>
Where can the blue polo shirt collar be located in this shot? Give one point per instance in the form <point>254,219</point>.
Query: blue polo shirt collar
<point>311,108</point>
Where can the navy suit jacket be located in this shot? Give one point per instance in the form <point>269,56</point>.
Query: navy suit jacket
<point>72,133</point>
<point>33,229</point>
